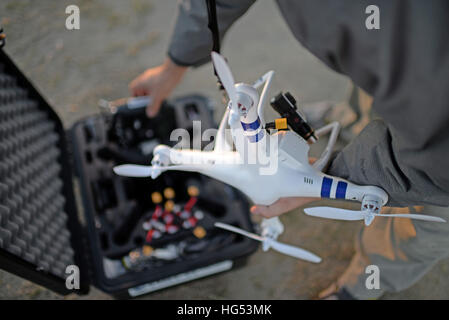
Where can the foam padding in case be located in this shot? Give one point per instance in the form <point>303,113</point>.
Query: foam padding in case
<point>32,216</point>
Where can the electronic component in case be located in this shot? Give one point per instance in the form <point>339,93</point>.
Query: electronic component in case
<point>131,127</point>
<point>130,106</point>
<point>285,105</point>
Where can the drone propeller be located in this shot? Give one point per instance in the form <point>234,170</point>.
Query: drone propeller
<point>335,213</point>
<point>343,214</point>
<point>139,171</point>
<point>133,170</point>
<point>280,247</point>
<point>225,75</point>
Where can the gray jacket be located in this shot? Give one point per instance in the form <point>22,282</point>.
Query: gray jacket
<point>404,65</point>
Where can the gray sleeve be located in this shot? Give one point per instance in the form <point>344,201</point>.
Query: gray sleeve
<point>191,40</point>
<point>409,174</point>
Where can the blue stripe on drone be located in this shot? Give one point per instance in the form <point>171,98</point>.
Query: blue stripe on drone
<point>251,126</point>
<point>326,187</point>
<point>255,138</point>
<point>341,190</point>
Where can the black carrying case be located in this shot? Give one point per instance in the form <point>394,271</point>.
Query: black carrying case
<point>41,229</point>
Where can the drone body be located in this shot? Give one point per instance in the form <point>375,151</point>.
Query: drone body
<point>293,177</point>
<point>264,166</point>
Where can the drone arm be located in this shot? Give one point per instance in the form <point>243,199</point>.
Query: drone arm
<point>334,128</point>
<point>266,78</point>
<point>330,187</point>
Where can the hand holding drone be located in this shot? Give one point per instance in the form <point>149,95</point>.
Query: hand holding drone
<point>293,176</point>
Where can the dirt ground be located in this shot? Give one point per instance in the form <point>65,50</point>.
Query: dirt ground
<point>118,40</point>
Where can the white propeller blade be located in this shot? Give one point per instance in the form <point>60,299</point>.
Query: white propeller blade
<point>334,213</point>
<point>294,251</point>
<point>225,75</point>
<point>343,214</point>
<point>280,247</point>
<point>135,170</point>
<point>413,216</point>
<point>239,231</point>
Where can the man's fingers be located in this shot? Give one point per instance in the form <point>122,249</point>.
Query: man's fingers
<point>281,206</point>
<point>263,211</point>
<point>139,87</point>
<point>270,211</point>
<point>139,92</point>
<point>136,90</point>
<point>153,108</point>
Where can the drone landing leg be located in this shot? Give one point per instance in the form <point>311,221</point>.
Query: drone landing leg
<point>266,78</point>
<point>334,128</point>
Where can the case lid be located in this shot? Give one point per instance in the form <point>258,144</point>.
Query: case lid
<point>40,232</point>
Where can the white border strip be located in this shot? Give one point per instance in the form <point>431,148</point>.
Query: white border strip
<point>180,278</point>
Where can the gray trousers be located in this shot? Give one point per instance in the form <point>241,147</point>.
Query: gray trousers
<point>403,249</point>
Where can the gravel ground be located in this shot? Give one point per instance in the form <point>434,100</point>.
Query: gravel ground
<point>118,40</point>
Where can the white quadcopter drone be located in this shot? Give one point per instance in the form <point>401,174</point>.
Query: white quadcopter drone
<point>293,176</point>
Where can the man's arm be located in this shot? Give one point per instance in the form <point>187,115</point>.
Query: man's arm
<point>191,41</point>
<point>407,153</point>
<point>190,46</point>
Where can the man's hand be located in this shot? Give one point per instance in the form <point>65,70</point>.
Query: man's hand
<point>281,206</point>
<point>158,83</point>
